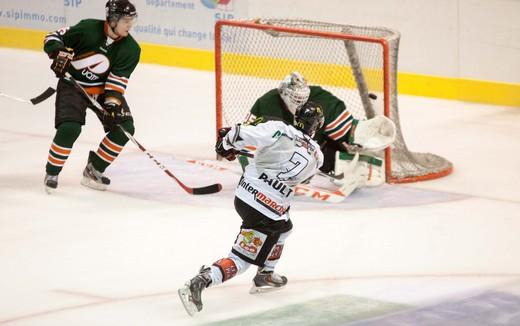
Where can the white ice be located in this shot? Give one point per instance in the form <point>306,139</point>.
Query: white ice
<point>82,257</point>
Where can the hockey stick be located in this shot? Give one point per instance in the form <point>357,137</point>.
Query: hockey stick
<point>194,191</point>
<point>35,100</point>
<point>305,190</point>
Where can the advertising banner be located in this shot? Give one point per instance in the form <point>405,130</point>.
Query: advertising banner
<point>181,23</point>
<point>187,23</point>
<point>41,15</point>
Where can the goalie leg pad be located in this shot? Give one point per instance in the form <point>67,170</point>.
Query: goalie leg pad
<point>374,175</point>
<point>358,171</point>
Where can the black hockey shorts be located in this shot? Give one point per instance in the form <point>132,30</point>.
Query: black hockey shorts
<point>329,149</point>
<point>71,105</point>
<point>258,234</point>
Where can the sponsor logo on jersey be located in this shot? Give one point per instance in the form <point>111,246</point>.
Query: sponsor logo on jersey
<point>270,204</point>
<point>62,31</point>
<point>92,66</point>
<point>302,142</point>
<point>249,188</point>
<point>262,199</point>
<point>278,185</point>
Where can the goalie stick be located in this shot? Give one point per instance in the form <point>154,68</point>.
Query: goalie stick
<point>191,190</point>
<point>35,100</point>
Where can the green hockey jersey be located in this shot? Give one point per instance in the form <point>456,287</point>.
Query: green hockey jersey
<point>338,119</point>
<point>100,63</point>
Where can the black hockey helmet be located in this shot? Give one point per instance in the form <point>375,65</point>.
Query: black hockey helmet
<point>116,9</point>
<point>309,118</point>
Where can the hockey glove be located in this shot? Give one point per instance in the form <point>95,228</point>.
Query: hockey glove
<point>61,61</point>
<point>222,132</point>
<point>229,154</point>
<point>112,115</point>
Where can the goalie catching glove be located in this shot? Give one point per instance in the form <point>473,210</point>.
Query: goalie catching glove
<point>360,170</point>
<point>61,61</point>
<point>374,134</point>
<point>229,154</point>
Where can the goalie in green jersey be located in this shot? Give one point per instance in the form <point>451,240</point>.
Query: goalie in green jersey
<point>100,55</point>
<point>340,133</point>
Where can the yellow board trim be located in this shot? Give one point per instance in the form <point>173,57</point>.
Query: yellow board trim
<point>177,57</point>
<point>488,92</point>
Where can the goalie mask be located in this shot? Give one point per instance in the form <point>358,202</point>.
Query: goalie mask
<point>309,118</point>
<point>117,9</point>
<point>294,91</point>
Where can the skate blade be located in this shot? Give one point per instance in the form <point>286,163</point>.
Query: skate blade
<point>264,289</point>
<point>87,182</point>
<point>185,295</point>
<point>50,190</point>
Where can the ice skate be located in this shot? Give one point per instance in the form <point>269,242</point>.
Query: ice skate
<point>51,183</point>
<point>94,179</point>
<point>190,294</point>
<point>267,282</point>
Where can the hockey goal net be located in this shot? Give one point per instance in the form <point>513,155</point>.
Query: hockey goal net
<point>354,63</point>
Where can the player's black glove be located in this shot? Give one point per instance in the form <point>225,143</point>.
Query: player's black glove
<point>61,61</point>
<point>229,154</point>
<point>112,115</point>
<point>222,132</point>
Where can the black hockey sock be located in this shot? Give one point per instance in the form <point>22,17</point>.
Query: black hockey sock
<point>66,135</point>
<point>111,146</point>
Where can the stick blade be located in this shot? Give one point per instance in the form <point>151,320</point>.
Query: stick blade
<point>43,96</point>
<point>211,189</point>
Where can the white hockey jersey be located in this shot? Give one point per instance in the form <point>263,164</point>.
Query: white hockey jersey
<point>284,158</point>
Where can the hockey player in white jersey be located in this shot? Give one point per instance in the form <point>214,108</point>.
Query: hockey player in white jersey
<point>286,156</point>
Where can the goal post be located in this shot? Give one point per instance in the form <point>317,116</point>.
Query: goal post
<point>353,62</point>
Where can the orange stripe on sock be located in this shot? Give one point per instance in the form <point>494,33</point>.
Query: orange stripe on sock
<point>105,156</point>
<point>55,162</point>
<point>60,150</point>
<point>111,145</point>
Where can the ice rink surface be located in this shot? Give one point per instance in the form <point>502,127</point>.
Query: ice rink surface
<point>441,252</point>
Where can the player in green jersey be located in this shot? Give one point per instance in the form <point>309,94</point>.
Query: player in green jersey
<point>281,103</point>
<point>340,133</point>
<point>100,55</point>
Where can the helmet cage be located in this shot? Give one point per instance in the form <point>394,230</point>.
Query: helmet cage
<point>294,91</point>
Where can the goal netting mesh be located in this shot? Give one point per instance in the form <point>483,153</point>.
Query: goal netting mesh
<point>352,62</point>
